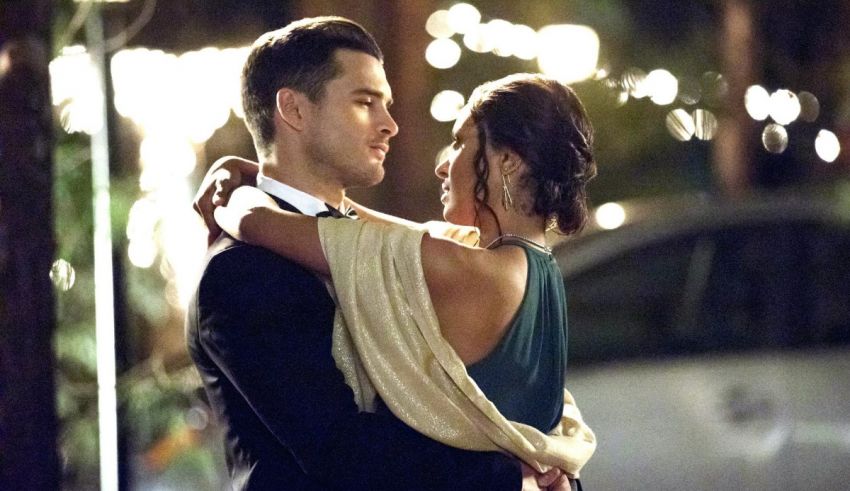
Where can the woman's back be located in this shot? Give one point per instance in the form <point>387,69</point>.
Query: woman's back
<point>524,374</point>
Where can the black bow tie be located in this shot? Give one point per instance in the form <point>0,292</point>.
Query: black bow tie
<point>334,213</point>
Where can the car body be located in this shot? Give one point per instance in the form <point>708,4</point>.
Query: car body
<point>709,343</point>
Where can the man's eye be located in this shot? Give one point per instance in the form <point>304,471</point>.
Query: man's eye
<point>455,145</point>
<point>366,102</point>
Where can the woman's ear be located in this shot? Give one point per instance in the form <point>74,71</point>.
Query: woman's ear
<point>291,108</point>
<point>509,162</point>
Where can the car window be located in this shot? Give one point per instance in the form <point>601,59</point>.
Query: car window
<point>766,286</point>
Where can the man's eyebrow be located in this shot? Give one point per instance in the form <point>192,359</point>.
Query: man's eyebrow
<point>374,93</point>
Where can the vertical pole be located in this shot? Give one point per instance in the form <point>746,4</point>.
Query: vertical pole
<point>733,146</point>
<point>103,269</point>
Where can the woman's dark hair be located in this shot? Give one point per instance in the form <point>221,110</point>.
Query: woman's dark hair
<point>299,56</point>
<point>545,124</point>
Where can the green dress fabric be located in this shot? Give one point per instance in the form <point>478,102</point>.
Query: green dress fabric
<point>524,374</point>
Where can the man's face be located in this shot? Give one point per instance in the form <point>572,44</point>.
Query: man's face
<point>348,130</point>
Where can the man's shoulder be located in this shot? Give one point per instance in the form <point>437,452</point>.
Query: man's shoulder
<point>237,269</point>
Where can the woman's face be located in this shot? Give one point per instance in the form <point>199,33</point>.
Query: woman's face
<point>457,171</point>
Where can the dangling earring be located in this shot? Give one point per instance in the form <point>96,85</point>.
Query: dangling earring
<point>507,200</point>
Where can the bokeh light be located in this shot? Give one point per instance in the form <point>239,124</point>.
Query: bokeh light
<point>477,39</point>
<point>438,25</point>
<point>610,216</point>
<point>757,102</point>
<point>690,92</point>
<point>75,88</point>
<point>715,88</point>
<point>705,124</point>
<point>633,80</point>
<point>63,275</point>
<point>446,105</point>
<point>662,87</point>
<point>463,17</point>
<point>568,53</point>
<point>680,124</point>
<point>827,146</point>
<point>784,106</point>
<point>442,53</point>
<point>500,33</point>
<point>524,42</point>
<point>809,106</point>
<point>774,138</point>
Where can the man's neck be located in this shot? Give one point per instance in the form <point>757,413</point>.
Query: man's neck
<point>330,193</point>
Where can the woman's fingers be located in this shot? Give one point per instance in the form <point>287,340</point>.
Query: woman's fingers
<point>549,477</point>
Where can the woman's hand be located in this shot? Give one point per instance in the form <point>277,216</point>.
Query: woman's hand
<point>223,176</point>
<point>245,214</point>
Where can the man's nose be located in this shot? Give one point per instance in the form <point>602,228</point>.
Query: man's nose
<point>389,126</point>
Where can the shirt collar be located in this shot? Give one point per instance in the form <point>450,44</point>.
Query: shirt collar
<point>303,202</point>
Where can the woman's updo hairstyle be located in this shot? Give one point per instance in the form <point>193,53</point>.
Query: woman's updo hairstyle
<point>545,124</point>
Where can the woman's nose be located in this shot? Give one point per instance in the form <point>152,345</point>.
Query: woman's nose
<point>442,169</point>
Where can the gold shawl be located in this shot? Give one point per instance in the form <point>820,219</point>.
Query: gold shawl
<point>387,341</point>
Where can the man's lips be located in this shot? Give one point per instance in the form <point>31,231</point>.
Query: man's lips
<point>383,148</point>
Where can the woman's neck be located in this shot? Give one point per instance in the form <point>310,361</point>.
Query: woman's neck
<point>511,223</point>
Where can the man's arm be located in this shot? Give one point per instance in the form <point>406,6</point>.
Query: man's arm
<point>263,325</point>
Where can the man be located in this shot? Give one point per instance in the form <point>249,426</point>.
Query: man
<point>259,328</point>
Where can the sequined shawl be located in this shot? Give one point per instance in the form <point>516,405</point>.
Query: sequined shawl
<point>387,342</point>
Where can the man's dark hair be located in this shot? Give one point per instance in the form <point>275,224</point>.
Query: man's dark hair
<point>299,56</point>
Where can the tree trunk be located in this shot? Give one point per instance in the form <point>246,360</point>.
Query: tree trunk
<point>28,423</point>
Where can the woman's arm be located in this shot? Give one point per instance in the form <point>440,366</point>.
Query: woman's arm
<point>253,217</point>
<point>223,176</point>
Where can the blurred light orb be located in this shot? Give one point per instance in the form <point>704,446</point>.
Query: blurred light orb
<point>442,53</point>
<point>757,102</point>
<point>463,17</point>
<point>142,253</point>
<point>680,124</point>
<point>705,124</point>
<point>689,91</point>
<point>774,138</point>
<point>163,158</point>
<point>477,39</point>
<point>610,216</point>
<point>500,33</point>
<point>634,81</point>
<point>446,105</point>
<point>809,106</point>
<point>568,53</point>
<point>662,87</point>
<point>197,418</point>
<point>63,275</point>
<point>827,146</point>
<point>75,87</point>
<point>715,87</point>
<point>784,106</point>
<point>438,25</point>
<point>524,42</point>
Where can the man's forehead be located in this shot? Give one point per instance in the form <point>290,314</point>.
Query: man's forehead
<point>364,71</point>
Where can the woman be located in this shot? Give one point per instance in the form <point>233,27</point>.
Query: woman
<point>494,311</point>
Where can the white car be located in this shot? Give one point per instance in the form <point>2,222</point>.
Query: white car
<point>709,344</point>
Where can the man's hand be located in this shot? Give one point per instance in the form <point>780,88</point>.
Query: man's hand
<point>223,176</point>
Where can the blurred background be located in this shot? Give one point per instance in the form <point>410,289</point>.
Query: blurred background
<point>713,118</point>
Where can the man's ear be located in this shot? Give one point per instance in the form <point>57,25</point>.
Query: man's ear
<point>291,107</point>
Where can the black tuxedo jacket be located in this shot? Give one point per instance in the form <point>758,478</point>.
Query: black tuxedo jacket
<point>259,331</point>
